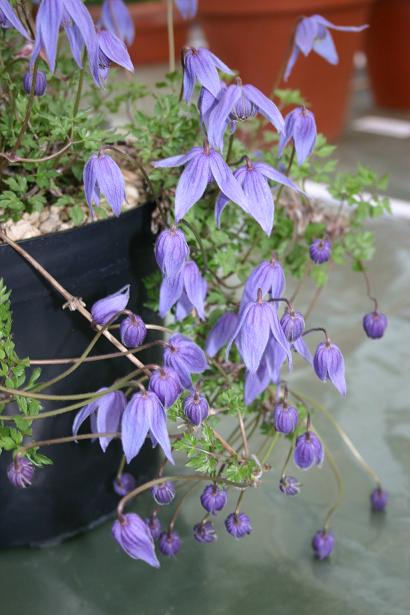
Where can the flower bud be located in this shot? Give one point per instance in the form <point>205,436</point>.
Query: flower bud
<point>133,535</point>
<point>213,499</point>
<point>40,84</point>
<point>169,543</point>
<point>221,333</point>
<point>124,483</point>
<point>289,485</point>
<point>320,251</point>
<point>329,364</point>
<point>154,525</point>
<point>379,499</point>
<point>133,331</point>
<point>196,408</point>
<point>323,543</point>
<point>285,418</point>
<point>165,383</point>
<point>20,472</point>
<point>293,325</point>
<point>238,525</point>
<point>308,451</point>
<point>375,324</point>
<point>204,532</point>
<point>164,493</point>
<point>171,251</point>
<point>105,309</point>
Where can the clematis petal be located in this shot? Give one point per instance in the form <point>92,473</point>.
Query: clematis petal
<point>158,426</point>
<point>110,181</point>
<point>266,107</point>
<point>303,349</point>
<point>221,333</point>
<point>7,10</point>
<point>195,287</point>
<point>134,426</point>
<point>83,20</point>
<point>260,200</point>
<point>75,41</point>
<point>218,118</point>
<point>325,47</point>
<point>191,185</point>
<point>110,409</point>
<point>83,414</point>
<point>203,66</point>
<point>116,18</point>
<point>336,371</point>
<point>328,24</point>
<point>114,49</point>
<point>177,161</point>
<point>170,292</point>
<point>275,175</point>
<point>291,62</point>
<point>219,64</point>
<point>256,384</point>
<point>304,135</point>
<point>90,179</point>
<point>227,183</point>
<point>48,21</point>
<point>306,32</point>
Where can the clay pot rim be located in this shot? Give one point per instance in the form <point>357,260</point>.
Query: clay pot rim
<point>270,7</point>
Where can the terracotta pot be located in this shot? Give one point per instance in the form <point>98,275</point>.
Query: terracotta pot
<point>388,53</point>
<point>254,38</point>
<point>150,45</point>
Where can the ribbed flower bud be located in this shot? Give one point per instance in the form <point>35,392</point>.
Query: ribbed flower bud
<point>379,499</point>
<point>124,483</point>
<point>293,325</point>
<point>20,472</point>
<point>169,543</point>
<point>289,485</point>
<point>164,493</point>
<point>323,543</point>
<point>329,364</point>
<point>134,536</point>
<point>105,309</point>
<point>375,324</point>
<point>238,525</point>
<point>196,408</point>
<point>308,451</point>
<point>154,525</point>
<point>133,331</point>
<point>285,418</point>
<point>320,251</point>
<point>171,251</point>
<point>165,383</point>
<point>40,83</point>
<point>204,532</point>
<point>213,499</point>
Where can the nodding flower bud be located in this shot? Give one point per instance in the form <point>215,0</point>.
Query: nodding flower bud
<point>379,499</point>
<point>329,364</point>
<point>40,85</point>
<point>20,472</point>
<point>285,418</point>
<point>213,499</point>
<point>300,126</point>
<point>308,451</point>
<point>165,383</point>
<point>375,324</point>
<point>204,532</point>
<point>320,251</point>
<point>196,408</point>
<point>134,536</point>
<point>289,485</point>
<point>133,331</point>
<point>124,483</point>
<point>293,325</point>
<point>238,525</point>
<point>164,493</point>
<point>323,543</point>
<point>105,309</point>
<point>154,525</point>
<point>171,251</point>
<point>169,543</point>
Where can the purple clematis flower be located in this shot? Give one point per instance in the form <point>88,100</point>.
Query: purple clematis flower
<point>154,525</point>
<point>133,331</point>
<point>8,19</point>
<point>185,357</point>
<point>102,175</point>
<point>108,409</point>
<point>293,324</point>
<point>221,333</point>
<point>375,324</point>
<point>124,483</point>
<point>289,485</point>
<point>201,65</point>
<point>196,408</point>
<point>238,102</point>
<point>169,543</point>
<point>238,525</point>
<point>203,164</point>
<point>188,288</point>
<point>165,383</point>
<point>204,532</point>
<point>285,418</point>
<point>144,415</point>
<point>79,28</point>
<point>111,49</point>
<point>312,34</point>
<point>323,543</point>
<point>379,499</point>
<point>105,309</point>
<point>40,85</point>
<point>309,451</point>
<point>116,18</point>
<point>269,277</point>
<point>329,364</point>
<point>253,177</point>
<point>187,8</point>
<point>300,127</point>
<point>171,251</point>
<point>20,472</point>
<point>214,499</point>
<point>320,251</point>
<point>164,493</point>
<point>134,536</point>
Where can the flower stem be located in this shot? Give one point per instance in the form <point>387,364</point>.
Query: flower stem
<point>29,109</point>
<point>179,505</point>
<point>289,167</point>
<point>65,440</point>
<point>171,37</point>
<point>270,449</point>
<point>339,484</point>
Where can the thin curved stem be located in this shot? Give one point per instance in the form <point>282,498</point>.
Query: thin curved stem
<point>29,109</point>
<point>66,439</point>
<point>339,484</point>
<point>179,505</point>
<point>171,36</point>
<point>270,449</point>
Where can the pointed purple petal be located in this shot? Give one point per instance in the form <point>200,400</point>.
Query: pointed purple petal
<point>83,414</point>
<point>11,17</point>
<point>275,175</point>
<point>115,50</point>
<point>158,426</point>
<point>336,371</point>
<point>266,107</point>
<point>110,182</point>
<point>227,183</point>
<point>260,200</point>
<point>219,64</point>
<point>191,185</point>
<point>110,409</point>
<point>177,161</point>
<point>49,16</point>
<point>203,66</point>
<point>89,179</point>
<point>328,24</point>
<point>325,47</point>
<point>170,292</point>
<point>306,32</point>
<point>75,41</point>
<point>134,426</point>
<point>218,117</point>
<point>291,63</point>
<point>221,333</point>
<point>195,286</point>
<point>302,348</point>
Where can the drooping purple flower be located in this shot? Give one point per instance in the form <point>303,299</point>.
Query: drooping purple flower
<point>258,323</point>
<point>303,349</point>
<point>40,85</point>
<point>375,324</point>
<point>323,543</point>
<point>171,251</point>
<point>320,251</point>
<point>103,175</point>
<point>111,49</point>
<point>154,525</point>
<point>185,357</point>
<point>79,28</point>
<point>108,409</point>
<point>166,385</point>
<point>187,8</point>
<point>200,65</point>
<point>204,532</point>
<point>238,525</point>
<point>124,483</point>
<point>133,331</point>
<point>253,177</point>
<point>309,451</point>
<point>312,34</point>
<point>239,102</point>
<point>164,493</point>
<point>214,499</point>
<point>293,325</point>
<point>300,127</point>
<point>169,543</point>
<point>329,364</point>
<point>256,383</point>
<point>105,309</point>
<point>134,536</point>
<point>289,485</point>
<point>221,333</point>
<point>188,289</point>
<point>196,408</point>
<point>203,164</point>
<point>379,499</point>
<point>269,277</point>
<point>285,418</point>
<point>116,18</point>
<point>144,415</point>
<point>20,472</point>
<point>8,19</point>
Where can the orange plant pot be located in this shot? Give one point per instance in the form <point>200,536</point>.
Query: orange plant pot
<point>254,38</point>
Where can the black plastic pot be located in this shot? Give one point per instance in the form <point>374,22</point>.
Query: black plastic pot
<point>75,492</point>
